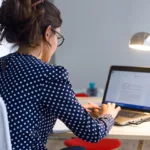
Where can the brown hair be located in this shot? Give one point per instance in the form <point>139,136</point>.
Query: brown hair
<point>20,23</point>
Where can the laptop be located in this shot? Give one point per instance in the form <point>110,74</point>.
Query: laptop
<point>129,88</point>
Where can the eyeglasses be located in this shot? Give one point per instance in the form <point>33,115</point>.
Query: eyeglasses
<point>60,38</point>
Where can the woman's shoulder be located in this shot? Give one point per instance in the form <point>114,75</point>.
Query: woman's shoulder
<point>57,72</point>
<point>37,66</point>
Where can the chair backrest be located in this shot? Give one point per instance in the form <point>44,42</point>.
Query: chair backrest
<point>5,141</point>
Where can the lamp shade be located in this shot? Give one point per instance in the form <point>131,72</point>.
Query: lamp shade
<point>140,41</point>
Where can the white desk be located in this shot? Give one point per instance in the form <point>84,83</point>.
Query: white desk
<point>135,132</point>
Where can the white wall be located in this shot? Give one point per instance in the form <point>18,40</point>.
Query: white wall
<point>5,49</point>
<point>97,35</point>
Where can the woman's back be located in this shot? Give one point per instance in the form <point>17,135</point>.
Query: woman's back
<point>21,86</point>
<point>36,94</point>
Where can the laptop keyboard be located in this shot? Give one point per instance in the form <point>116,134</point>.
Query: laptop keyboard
<point>129,114</point>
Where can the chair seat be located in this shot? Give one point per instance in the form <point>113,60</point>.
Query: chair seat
<point>104,144</point>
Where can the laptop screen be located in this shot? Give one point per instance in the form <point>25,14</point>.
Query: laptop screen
<point>129,89</point>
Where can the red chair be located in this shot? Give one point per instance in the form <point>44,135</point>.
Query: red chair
<point>104,144</point>
<point>81,95</point>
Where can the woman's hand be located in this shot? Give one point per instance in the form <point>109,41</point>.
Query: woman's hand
<point>96,111</point>
<point>110,108</point>
<point>90,106</point>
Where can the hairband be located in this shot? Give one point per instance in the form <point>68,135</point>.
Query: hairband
<point>36,3</point>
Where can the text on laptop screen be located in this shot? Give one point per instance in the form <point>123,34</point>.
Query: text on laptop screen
<point>129,89</point>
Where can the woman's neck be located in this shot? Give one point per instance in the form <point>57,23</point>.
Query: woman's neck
<point>36,52</point>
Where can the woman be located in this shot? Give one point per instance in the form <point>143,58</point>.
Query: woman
<point>36,93</point>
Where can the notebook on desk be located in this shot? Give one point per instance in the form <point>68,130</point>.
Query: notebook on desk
<point>129,88</point>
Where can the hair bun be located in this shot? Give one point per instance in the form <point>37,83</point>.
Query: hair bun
<point>20,23</point>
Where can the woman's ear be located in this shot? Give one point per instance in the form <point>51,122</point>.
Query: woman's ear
<point>48,33</point>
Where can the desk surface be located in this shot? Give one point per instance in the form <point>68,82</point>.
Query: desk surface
<point>140,132</point>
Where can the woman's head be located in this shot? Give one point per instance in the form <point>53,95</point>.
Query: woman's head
<point>30,23</point>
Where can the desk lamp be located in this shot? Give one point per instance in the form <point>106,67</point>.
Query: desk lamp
<point>140,41</point>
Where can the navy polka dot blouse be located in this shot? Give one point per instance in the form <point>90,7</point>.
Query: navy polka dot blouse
<point>36,94</point>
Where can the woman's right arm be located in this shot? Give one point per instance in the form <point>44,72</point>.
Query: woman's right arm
<point>60,99</point>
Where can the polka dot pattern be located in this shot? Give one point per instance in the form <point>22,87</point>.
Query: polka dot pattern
<point>36,94</point>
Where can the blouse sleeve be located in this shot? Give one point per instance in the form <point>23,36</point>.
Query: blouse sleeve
<point>59,98</point>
